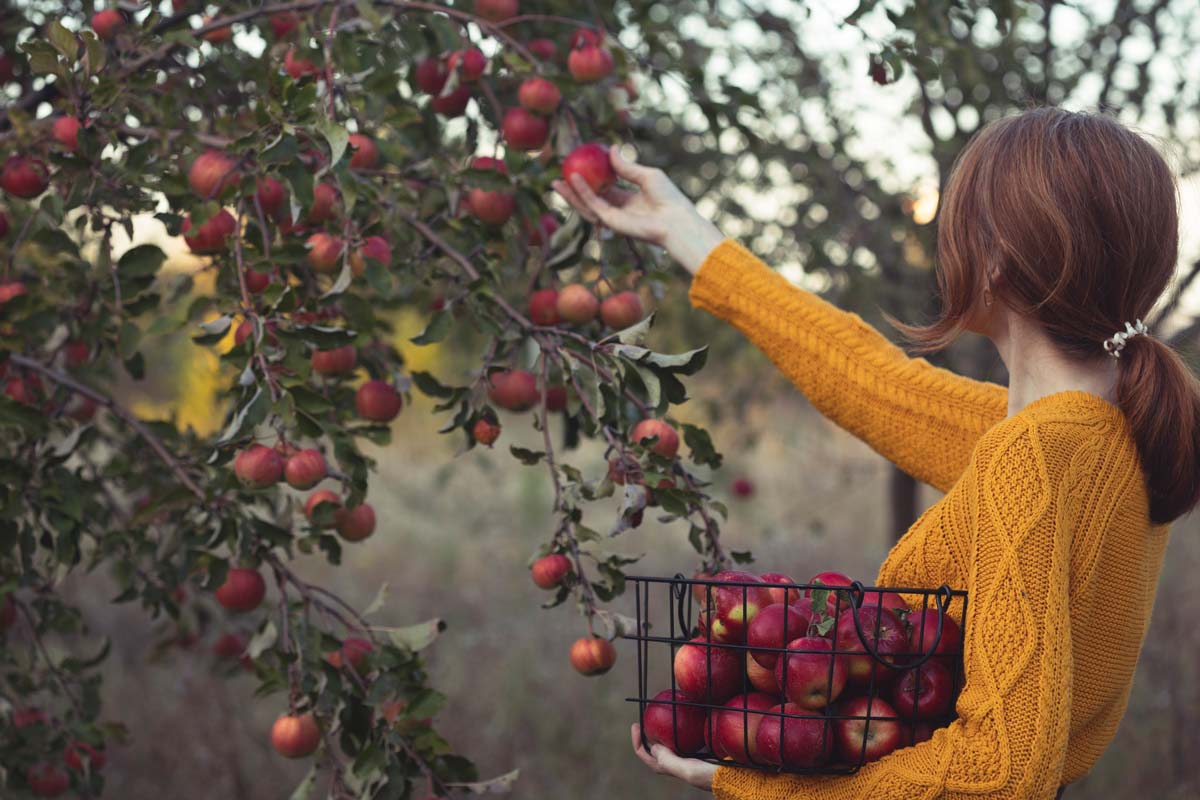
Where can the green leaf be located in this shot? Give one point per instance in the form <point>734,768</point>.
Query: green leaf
<point>430,386</point>
<point>416,637</point>
<point>141,261</point>
<point>436,330</point>
<point>63,40</point>
<point>337,137</point>
<point>304,789</point>
<point>527,457</point>
<point>263,641</point>
<point>502,784</point>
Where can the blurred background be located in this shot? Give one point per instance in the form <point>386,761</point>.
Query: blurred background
<point>826,162</point>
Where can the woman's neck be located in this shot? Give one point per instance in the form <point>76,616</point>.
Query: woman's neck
<point>1037,368</point>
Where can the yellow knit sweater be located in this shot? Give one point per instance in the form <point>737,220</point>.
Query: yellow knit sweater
<point>1044,523</point>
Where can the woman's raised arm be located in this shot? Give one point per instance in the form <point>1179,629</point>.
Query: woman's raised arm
<point>922,418</point>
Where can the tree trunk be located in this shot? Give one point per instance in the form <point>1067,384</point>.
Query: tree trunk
<point>903,495</point>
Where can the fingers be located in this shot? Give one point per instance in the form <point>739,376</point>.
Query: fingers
<point>599,207</point>
<point>630,171</point>
<point>636,735</point>
<point>572,197</point>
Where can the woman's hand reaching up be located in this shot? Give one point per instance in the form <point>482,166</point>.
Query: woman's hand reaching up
<point>657,212</point>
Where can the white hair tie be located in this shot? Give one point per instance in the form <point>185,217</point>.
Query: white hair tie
<point>1116,344</point>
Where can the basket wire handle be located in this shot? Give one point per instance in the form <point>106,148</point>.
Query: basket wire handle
<point>941,598</point>
<point>679,590</point>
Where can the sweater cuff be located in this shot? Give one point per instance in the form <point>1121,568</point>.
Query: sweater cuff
<point>728,780</point>
<point>724,271</point>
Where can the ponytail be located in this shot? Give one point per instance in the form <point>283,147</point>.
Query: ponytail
<point>1160,398</point>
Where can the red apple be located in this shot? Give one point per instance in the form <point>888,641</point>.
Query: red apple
<point>735,607</point>
<point>545,49</point>
<point>524,130</point>
<point>622,310</point>
<point>797,743</point>
<point>583,37</point>
<point>283,22</point>
<point>839,598</point>
<point>782,594</point>
<point>592,655</point>
<point>11,291</point>
<point>107,23</point>
<point>679,728</point>
<point>485,431</point>
<point>295,735</point>
<point>324,197</point>
<point>76,352</point>
<point>431,75</point>
<point>298,67</point>
<point>212,173</point>
<point>743,488</point>
<point>257,281</point>
<point>28,717</point>
<point>668,440</point>
<point>539,235</point>
<point>354,652</point>
<point>24,177</point>
<point>925,691</point>
<point>590,63</point>
<point>773,627</point>
<point>364,152</point>
<point>889,600</point>
<point>735,727</point>
<point>577,304</point>
<point>591,162</point>
<point>543,307</point>
<point>496,10</point>
<point>47,780</point>
<point>79,753</point>
<point>258,466</point>
<point>707,672</point>
<point>810,676</point>
<point>923,632</point>
<point>339,361</point>
<point>356,523</point>
<point>269,193</point>
<point>869,737</point>
<point>373,247</point>
<point>66,132</point>
<point>453,104</point>
<point>319,498</point>
<point>548,571</point>
<point>493,207</point>
<point>324,252</point>
<point>556,398</point>
<point>539,96</point>
<point>8,612</point>
<point>229,645</point>
<point>378,401</point>
<point>890,640</point>
<point>761,678</point>
<point>305,469</point>
<point>470,64</point>
<point>513,390</point>
<point>217,35</point>
<point>211,237</point>
<point>914,733</point>
<point>243,589</point>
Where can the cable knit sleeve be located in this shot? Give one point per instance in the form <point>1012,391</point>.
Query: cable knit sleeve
<point>922,418</point>
<point>1010,739</point>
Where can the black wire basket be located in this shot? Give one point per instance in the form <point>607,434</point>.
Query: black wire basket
<point>807,678</point>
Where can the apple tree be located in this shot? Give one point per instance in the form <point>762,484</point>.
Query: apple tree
<point>332,163</point>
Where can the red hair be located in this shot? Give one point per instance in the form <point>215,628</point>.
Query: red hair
<point>1074,221</point>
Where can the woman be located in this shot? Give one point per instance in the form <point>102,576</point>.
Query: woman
<point>1057,233</point>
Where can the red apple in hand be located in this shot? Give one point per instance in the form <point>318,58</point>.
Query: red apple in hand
<point>925,691</point>
<point>799,742</point>
<point>707,672</point>
<point>735,727</point>
<point>867,738</point>
<point>591,162</point>
<point>882,630</point>
<point>680,728</point>
<point>773,627</point>
<point>295,735</point>
<point>811,677</point>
